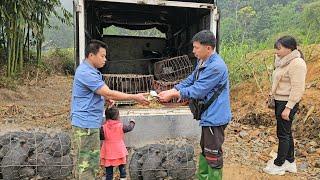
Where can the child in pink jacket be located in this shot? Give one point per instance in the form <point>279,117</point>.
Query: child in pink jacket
<point>113,151</point>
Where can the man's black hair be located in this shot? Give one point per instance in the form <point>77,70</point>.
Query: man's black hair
<point>94,46</point>
<point>205,37</point>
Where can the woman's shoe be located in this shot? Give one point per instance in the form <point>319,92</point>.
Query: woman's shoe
<point>290,167</point>
<point>275,170</point>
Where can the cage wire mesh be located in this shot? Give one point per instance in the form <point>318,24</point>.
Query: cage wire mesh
<point>129,83</point>
<point>168,73</point>
<point>173,69</point>
<point>160,85</point>
<point>27,155</point>
<point>37,155</point>
<point>163,161</point>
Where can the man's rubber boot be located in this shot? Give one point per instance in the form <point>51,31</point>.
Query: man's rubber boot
<point>202,173</point>
<point>214,174</point>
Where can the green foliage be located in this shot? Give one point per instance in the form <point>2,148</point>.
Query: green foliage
<point>234,56</point>
<point>257,21</point>
<point>311,17</point>
<point>24,21</point>
<point>58,34</point>
<point>252,25</point>
<point>9,82</point>
<point>60,60</point>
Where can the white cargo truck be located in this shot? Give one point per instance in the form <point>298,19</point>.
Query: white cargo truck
<point>130,54</point>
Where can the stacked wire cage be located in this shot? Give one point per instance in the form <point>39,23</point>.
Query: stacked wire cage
<point>129,83</point>
<point>170,72</point>
<point>173,69</point>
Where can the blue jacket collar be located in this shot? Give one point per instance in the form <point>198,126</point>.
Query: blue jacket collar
<point>209,60</point>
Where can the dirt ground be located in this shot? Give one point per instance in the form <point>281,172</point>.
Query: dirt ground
<point>250,138</point>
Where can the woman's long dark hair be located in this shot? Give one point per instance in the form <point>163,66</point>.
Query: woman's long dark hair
<point>288,42</point>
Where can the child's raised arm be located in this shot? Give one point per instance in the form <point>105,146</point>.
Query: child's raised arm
<point>129,127</point>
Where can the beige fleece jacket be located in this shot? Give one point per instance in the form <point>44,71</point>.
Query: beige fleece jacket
<point>289,78</point>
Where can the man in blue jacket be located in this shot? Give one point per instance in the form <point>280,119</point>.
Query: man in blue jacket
<point>210,75</point>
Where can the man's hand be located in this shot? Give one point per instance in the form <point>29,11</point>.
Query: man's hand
<point>110,102</point>
<point>140,98</point>
<point>285,114</point>
<point>119,96</point>
<point>166,96</point>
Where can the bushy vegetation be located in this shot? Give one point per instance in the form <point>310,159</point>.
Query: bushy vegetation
<point>60,60</point>
<point>248,26</point>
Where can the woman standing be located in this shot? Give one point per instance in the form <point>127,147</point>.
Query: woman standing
<point>288,86</point>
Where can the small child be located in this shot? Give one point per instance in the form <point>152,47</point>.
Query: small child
<point>113,150</point>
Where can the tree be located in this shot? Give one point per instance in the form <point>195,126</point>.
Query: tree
<point>246,14</point>
<point>19,18</point>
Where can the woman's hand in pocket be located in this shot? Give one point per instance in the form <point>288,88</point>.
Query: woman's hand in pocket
<point>285,114</point>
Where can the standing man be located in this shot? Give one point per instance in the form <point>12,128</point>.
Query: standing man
<point>208,82</point>
<point>89,93</point>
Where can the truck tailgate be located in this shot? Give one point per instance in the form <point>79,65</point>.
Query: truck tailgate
<point>155,125</point>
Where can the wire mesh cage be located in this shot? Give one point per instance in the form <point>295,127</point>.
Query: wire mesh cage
<point>173,69</point>
<point>163,161</point>
<point>160,85</point>
<point>129,83</point>
<point>36,155</point>
<point>26,155</point>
